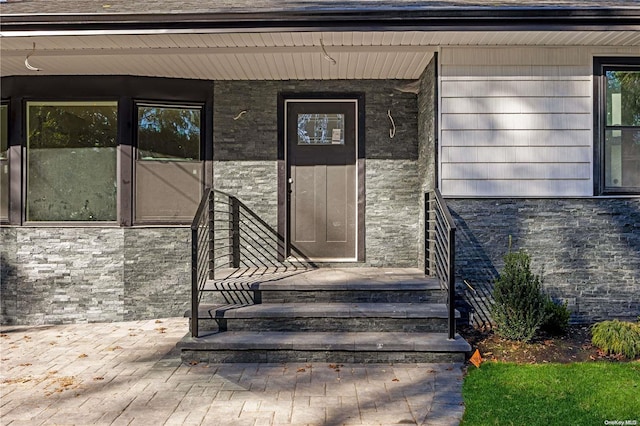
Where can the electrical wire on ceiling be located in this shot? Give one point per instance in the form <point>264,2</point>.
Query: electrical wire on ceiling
<point>325,54</point>
<point>26,60</point>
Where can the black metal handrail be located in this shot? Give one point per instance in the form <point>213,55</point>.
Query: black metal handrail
<point>201,248</point>
<point>440,253</point>
<point>228,235</point>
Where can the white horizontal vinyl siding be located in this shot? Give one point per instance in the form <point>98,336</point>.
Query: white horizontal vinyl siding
<point>516,122</point>
<point>513,155</point>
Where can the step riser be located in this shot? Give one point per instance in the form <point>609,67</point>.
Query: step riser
<point>281,356</point>
<point>356,296</point>
<point>293,296</point>
<point>324,296</point>
<point>371,315</point>
<point>326,324</point>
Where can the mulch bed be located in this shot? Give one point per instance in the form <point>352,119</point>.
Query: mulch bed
<point>575,346</point>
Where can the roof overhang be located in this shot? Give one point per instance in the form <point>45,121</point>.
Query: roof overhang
<point>336,41</point>
<point>344,19</point>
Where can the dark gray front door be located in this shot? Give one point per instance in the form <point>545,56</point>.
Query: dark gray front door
<point>322,179</point>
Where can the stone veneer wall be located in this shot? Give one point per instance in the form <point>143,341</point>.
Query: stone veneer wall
<point>89,274</point>
<point>427,118</point>
<point>246,157</point>
<point>157,272</point>
<point>588,250</point>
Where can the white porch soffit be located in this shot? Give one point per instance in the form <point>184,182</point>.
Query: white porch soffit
<point>268,56</point>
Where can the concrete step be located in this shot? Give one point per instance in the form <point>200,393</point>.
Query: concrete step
<point>333,314</point>
<point>345,347</point>
<point>340,316</point>
<point>292,291</point>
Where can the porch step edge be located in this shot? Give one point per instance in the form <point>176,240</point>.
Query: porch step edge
<point>325,310</point>
<point>290,285</point>
<point>326,341</point>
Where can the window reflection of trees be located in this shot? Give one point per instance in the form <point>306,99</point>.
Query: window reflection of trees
<point>622,129</point>
<point>71,161</point>
<point>626,84</point>
<point>72,126</point>
<point>4,131</point>
<point>168,133</point>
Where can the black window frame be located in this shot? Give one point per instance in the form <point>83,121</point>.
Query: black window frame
<point>25,161</point>
<point>7,103</point>
<point>600,67</point>
<point>173,105</point>
<point>18,90</point>
<point>202,154</point>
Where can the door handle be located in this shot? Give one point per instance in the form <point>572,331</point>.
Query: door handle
<point>290,180</point>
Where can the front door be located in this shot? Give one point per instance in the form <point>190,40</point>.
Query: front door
<point>322,179</point>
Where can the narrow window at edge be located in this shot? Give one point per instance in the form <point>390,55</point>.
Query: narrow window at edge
<point>4,162</point>
<point>620,124</point>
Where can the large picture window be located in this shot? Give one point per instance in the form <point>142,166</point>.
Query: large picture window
<point>168,172</point>
<point>4,162</point>
<point>103,151</point>
<point>619,126</point>
<point>71,161</point>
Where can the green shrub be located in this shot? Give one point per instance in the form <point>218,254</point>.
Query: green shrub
<point>557,316</point>
<point>519,307</point>
<point>617,337</point>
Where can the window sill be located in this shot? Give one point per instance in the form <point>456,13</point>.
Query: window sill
<point>74,224</point>
<point>113,225</point>
<point>541,197</point>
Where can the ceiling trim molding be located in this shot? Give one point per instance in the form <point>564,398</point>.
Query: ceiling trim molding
<point>178,50</point>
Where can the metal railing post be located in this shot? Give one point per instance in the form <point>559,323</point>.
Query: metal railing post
<point>200,270</point>
<point>235,232</point>
<point>194,282</point>
<point>440,251</point>
<point>427,235</point>
<point>452,283</point>
<point>212,248</point>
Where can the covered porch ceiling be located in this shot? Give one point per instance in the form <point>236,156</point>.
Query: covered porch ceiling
<point>295,55</point>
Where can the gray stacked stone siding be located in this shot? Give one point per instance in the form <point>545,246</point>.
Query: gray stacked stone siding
<point>88,274</point>
<point>427,103</point>
<point>427,118</point>
<point>393,200</point>
<point>252,182</point>
<point>157,272</point>
<point>83,274</point>
<point>246,157</point>
<point>587,250</point>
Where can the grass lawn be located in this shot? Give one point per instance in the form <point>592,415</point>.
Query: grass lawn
<point>552,394</point>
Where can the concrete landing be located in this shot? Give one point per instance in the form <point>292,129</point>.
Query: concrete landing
<point>324,278</point>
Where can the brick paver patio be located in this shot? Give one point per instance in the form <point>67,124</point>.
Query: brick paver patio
<point>129,373</point>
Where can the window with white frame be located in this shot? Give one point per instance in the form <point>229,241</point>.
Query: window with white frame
<point>618,110</point>
<point>71,161</point>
